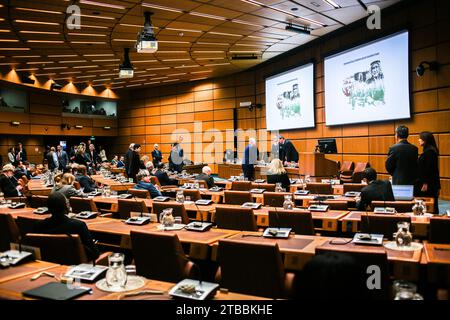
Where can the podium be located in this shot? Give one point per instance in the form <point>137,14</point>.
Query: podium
<point>316,165</point>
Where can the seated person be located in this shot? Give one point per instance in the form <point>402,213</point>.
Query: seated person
<point>149,166</point>
<point>206,176</point>
<point>65,186</point>
<point>163,177</point>
<point>60,223</point>
<point>86,183</point>
<point>143,179</point>
<point>115,160</point>
<point>21,170</point>
<point>121,162</point>
<point>277,173</point>
<point>376,190</point>
<point>8,183</point>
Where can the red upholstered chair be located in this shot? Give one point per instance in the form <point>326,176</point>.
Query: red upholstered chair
<point>358,173</point>
<point>301,222</point>
<point>160,256</point>
<point>241,185</point>
<point>9,232</point>
<point>235,218</point>
<point>253,268</point>
<point>237,197</point>
<point>346,171</point>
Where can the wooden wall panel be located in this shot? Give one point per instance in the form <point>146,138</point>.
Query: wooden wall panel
<point>200,107</point>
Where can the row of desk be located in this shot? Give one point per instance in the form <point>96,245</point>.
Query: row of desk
<point>297,249</point>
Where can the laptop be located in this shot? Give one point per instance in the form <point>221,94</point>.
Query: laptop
<point>403,192</point>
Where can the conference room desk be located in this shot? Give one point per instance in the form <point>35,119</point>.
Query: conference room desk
<point>323,221</point>
<point>113,184</point>
<point>23,270</point>
<point>352,222</point>
<point>37,187</point>
<point>226,170</point>
<point>198,243</point>
<point>12,288</point>
<point>437,259</point>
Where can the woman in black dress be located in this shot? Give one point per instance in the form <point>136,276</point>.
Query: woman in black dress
<point>428,165</point>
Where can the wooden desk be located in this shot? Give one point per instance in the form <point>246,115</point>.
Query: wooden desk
<point>37,187</point>
<point>352,222</point>
<point>12,289</point>
<point>437,253</point>
<point>199,242</point>
<point>226,170</point>
<point>25,269</point>
<point>194,168</point>
<point>113,184</point>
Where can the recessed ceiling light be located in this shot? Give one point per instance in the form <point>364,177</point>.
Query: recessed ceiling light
<point>55,68</point>
<point>5,30</point>
<point>204,71</point>
<point>160,68</point>
<point>86,34</point>
<point>332,3</point>
<point>88,42</point>
<point>134,85</point>
<point>160,78</point>
<point>151,82</point>
<point>39,32</point>
<point>144,61</point>
<point>27,69</point>
<point>72,61</point>
<point>40,62</point>
<point>176,74</point>
<point>91,76</point>
<point>172,80</point>
<point>105,60</point>
<point>26,56</point>
<point>62,55</point>
<point>205,15</point>
<point>213,43</point>
<point>45,41</point>
<point>210,58</point>
<point>225,34</point>
<point>294,9</point>
<point>155,6</point>
<point>9,40</point>
<point>91,26</point>
<point>38,10</point>
<point>247,23</point>
<point>180,42</point>
<point>100,4</point>
<point>85,67</point>
<point>170,60</point>
<point>15,49</point>
<point>189,66</point>
<point>216,64</point>
<point>208,51</point>
<point>99,55</point>
<point>95,17</point>
<point>37,22</point>
<point>184,30</point>
<point>70,72</point>
<point>196,79</point>
<point>125,40</point>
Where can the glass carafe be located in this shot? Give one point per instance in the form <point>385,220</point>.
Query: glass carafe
<point>166,217</point>
<point>419,208</point>
<point>180,196</point>
<point>116,275</point>
<point>278,187</point>
<point>403,237</point>
<point>288,204</point>
<point>404,290</point>
<point>106,191</point>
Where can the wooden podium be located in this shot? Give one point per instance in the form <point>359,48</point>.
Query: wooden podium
<point>316,165</point>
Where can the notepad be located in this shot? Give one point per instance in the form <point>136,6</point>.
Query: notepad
<point>56,291</point>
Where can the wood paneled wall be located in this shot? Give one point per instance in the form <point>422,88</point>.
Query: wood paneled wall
<point>151,115</point>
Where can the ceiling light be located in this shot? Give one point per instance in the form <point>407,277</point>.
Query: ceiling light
<point>39,10</point>
<point>85,67</point>
<point>9,40</point>
<point>99,55</point>
<point>170,60</point>
<point>91,26</point>
<point>15,49</point>
<point>213,43</point>
<point>126,68</point>
<point>299,29</point>
<point>216,64</point>
<point>88,42</point>
<point>124,40</point>
<point>211,58</point>
<point>55,85</point>
<point>247,23</point>
<point>70,72</point>
<point>205,71</point>
<point>225,34</point>
<point>28,69</point>
<point>38,32</point>
<point>100,4</point>
<point>134,85</point>
<point>91,76</point>
<point>73,61</point>
<point>160,68</point>
<point>105,60</point>
<point>37,22</point>
<point>40,62</point>
<point>62,55</point>
<point>146,41</point>
<point>332,3</point>
<point>55,68</point>
<point>45,41</point>
<point>204,15</point>
<point>86,34</point>
<point>184,30</point>
<point>95,17</point>
<point>155,6</point>
<point>144,61</point>
<point>26,56</point>
<point>172,80</point>
<point>159,78</point>
<point>189,66</point>
<point>151,82</point>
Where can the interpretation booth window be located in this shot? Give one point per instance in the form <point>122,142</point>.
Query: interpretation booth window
<point>95,108</point>
<point>13,100</point>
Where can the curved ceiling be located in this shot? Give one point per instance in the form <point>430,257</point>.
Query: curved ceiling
<point>197,38</point>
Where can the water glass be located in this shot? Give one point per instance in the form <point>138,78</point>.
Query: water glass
<point>188,198</point>
<point>116,276</point>
<point>130,180</point>
<point>178,220</point>
<point>131,270</point>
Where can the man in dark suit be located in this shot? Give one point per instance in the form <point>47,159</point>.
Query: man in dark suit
<point>21,153</point>
<point>63,158</point>
<point>52,159</point>
<point>60,223</point>
<point>163,177</point>
<point>128,156</point>
<point>86,183</point>
<point>402,159</point>
<point>251,153</point>
<point>8,183</point>
<point>288,153</point>
<point>376,190</point>
<point>156,155</point>
<point>144,183</point>
<point>206,176</point>
<point>92,157</point>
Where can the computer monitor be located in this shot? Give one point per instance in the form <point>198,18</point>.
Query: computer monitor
<point>327,145</point>
<point>403,192</point>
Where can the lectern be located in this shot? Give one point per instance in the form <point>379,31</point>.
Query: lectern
<point>316,165</point>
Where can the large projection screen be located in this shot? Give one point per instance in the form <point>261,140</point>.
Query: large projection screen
<point>290,99</point>
<point>368,83</point>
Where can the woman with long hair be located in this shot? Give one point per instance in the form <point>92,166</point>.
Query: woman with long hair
<point>428,166</point>
<point>277,173</point>
<point>65,185</point>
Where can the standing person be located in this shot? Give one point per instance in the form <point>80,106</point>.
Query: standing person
<point>21,153</point>
<point>288,153</point>
<point>52,159</point>
<point>402,159</point>
<point>176,158</point>
<point>63,158</point>
<point>275,149</point>
<point>250,157</point>
<point>92,157</point>
<point>156,155</point>
<point>102,154</point>
<point>127,159</point>
<point>80,157</point>
<point>135,162</point>
<point>428,168</point>
<point>11,155</point>
<point>72,153</point>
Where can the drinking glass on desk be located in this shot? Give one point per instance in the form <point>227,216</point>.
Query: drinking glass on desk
<point>116,276</point>
<point>178,220</point>
<point>114,193</point>
<point>106,191</point>
<point>188,198</point>
<point>130,180</point>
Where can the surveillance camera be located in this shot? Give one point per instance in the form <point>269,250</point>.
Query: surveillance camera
<point>420,70</point>
<point>250,107</point>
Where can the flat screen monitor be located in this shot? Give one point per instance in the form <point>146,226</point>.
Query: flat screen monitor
<point>403,192</point>
<point>327,145</point>
<point>290,99</point>
<point>368,83</point>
